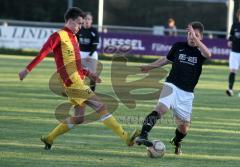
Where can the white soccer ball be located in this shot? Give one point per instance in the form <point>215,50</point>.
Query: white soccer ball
<point>157,150</point>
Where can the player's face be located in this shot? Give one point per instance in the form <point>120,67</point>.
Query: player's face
<point>88,21</point>
<point>76,24</point>
<point>190,37</point>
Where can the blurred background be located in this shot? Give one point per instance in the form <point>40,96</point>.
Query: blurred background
<point>166,18</point>
<point>149,28</point>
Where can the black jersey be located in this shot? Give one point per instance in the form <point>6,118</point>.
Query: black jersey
<point>88,39</point>
<point>235,37</point>
<point>187,66</point>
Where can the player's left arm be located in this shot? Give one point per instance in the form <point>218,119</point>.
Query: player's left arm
<point>202,47</point>
<point>204,50</point>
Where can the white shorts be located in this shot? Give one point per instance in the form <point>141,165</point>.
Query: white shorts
<point>178,100</point>
<point>89,62</point>
<point>234,60</point>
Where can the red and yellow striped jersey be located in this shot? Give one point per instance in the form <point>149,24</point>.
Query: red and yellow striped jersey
<point>65,48</point>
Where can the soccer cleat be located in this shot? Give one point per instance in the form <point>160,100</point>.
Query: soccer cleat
<point>143,140</point>
<point>178,150</point>
<point>229,92</point>
<point>47,143</point>
<point>132,137</point>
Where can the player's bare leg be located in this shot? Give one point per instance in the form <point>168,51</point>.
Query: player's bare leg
<point>180,133</point>
<point>152,118</point>
<point>109,121</point>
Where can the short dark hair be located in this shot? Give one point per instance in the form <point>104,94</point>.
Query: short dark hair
<point>88,13</point>
<point>197,25</point>
<point>73,13</point>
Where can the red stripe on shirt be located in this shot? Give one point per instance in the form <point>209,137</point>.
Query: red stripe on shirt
<point>54,44</point>
<point>77,55</point>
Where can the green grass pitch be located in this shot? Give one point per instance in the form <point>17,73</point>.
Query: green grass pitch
<point>27,112</point>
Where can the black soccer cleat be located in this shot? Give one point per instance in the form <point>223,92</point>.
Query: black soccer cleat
<point>178,150</point>
<point>143,140</point>
<point>48,145</point>
<point>229,92</point>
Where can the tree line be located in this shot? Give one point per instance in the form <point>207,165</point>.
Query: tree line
<point>142,13</point>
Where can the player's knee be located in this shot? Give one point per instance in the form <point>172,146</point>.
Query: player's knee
<point>183,129</point>
<point>233,71</point>
<point>160,113</point>
<point>78,119</point>
<point>161,109</point>
<point>102,107</point>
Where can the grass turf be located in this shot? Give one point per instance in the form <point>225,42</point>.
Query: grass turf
<point>27,112</point>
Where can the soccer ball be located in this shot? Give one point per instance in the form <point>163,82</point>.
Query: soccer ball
<point>157,150</point>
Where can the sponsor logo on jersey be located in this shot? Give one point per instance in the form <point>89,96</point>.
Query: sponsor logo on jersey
<point>187,59</point>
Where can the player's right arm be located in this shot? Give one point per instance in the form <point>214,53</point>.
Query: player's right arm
<point>158,63</point>
<point>51,43</point>
<point>161,61</point>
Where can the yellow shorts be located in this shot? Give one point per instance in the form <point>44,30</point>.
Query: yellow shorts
<point>78,92</point>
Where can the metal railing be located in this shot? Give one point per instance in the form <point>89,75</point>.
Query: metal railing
<point>114,28</point>
<point>30,23</point>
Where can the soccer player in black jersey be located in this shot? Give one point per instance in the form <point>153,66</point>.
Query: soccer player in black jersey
<point>234,58</point>
<point>177,94</point>
<point>88,39</point>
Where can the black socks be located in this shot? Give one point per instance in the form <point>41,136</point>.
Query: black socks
<point>231,80</point>
<point>178,137</point>
<point>149,122</point>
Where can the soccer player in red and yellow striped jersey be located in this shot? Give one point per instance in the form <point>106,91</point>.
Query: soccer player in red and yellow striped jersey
<point>65,48</point>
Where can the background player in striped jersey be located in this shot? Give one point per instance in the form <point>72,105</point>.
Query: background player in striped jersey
<point>88,38</point>
<point>66,52</point>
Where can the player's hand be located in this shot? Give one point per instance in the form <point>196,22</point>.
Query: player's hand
<point>94,77</point>
<point>144,69</point>
<point>88,59</point>
<point>191,31</point>
<point>22,74</point>
<point>229,44</point>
